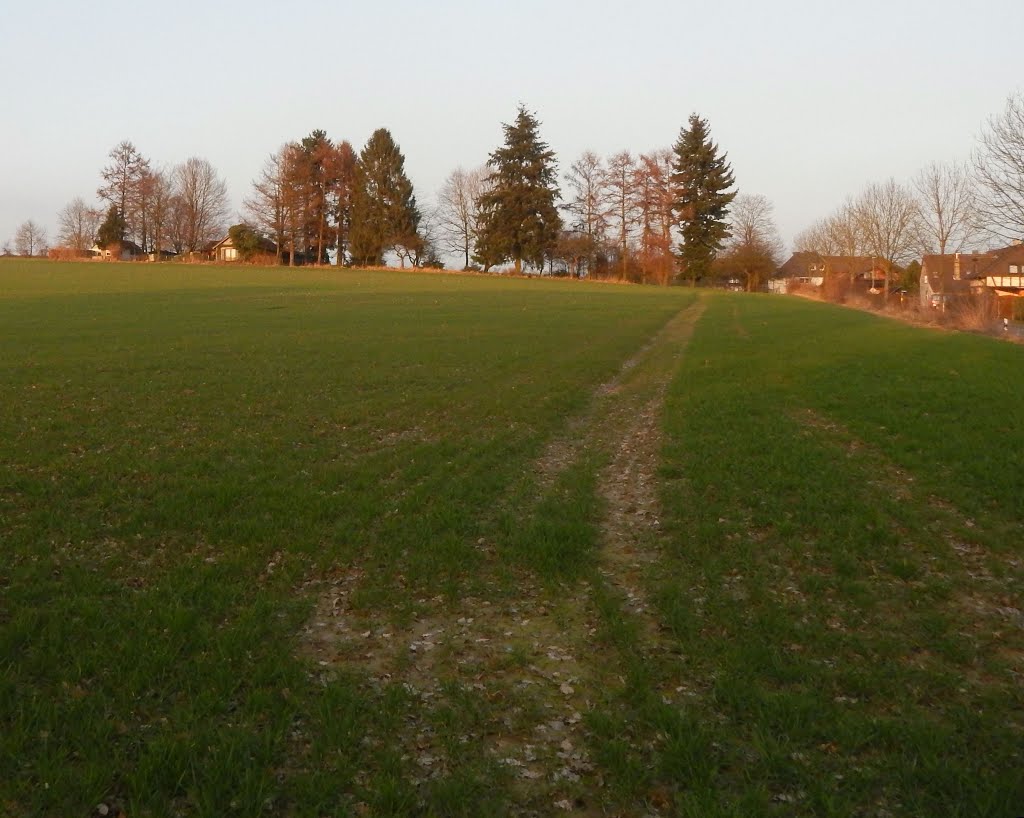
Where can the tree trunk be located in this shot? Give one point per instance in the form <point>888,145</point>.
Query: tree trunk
<point>320,241</point>
<point>624,269</point>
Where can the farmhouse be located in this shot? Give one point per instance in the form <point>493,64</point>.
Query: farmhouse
<point>225,250</point>
<point>117,251</point>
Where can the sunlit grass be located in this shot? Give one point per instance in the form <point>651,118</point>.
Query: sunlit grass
<point>183,447</point>
<point>187,452</point>
<point>842,577</point>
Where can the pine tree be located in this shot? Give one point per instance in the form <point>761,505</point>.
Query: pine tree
<point>384,212</point>
<point>113,228</point>
<point>518,216</point>
<point>701,179</point>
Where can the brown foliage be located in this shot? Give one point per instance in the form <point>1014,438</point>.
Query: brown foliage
<point>978,313</point>
<point>65,254</point>
<point>262,260</point>
<point>836,288</point>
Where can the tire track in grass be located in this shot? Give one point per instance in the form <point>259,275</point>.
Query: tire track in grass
<point>630,431</point>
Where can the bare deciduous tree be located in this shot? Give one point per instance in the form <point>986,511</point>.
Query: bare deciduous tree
<point>888,214</point>
<point>30,239</point>
<point>999,167</point>
<point>621,207</point>
<point>841,234</point>
<point>346,167</point>
<point>176,225</point>
<point>754,247</point>
<point>655,201</point>
<point>847,232</point>
<point>751,220</point>
<point>267,204</point>
<point>945,196</point>
<point>159,210</point>
<point>587,180</point>
<point>204,201</point>
<point>817,238</point>
<point>77,224</point>
<point>457,211</point>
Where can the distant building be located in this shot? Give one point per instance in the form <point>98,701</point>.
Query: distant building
<point>814,269</point>
<point>225,250</point>
<point>117,251</point>
<point>801,268</point>
<point>946,278</point>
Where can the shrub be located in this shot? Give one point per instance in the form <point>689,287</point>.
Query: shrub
<point>978,313</point>
<point>64,253</point>
<point>263,259</point>
<point>836,289</point>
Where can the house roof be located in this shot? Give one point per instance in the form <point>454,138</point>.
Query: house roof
<point>954,272</point>
<point>1001,259</point>
<point>798,264</point>
<point>124,244</point>
<point>858,265</point>
<point>265,245</point>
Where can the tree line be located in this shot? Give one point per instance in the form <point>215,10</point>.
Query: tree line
<point>668,210</point>
<point>654,217</point>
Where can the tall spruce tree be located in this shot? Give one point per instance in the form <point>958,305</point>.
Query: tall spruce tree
<point>384,212</point>
<point>113,228</point>
<point>518,217</point>
<point>701,180</point>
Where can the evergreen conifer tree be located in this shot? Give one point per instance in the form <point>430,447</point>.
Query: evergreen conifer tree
<point>384,212</point>
<point>701,180</point>
<point>113,228</point>
<point>518,216</point>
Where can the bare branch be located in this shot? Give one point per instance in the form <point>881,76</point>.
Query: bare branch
<point>947,204</point>
<point>999,169</point>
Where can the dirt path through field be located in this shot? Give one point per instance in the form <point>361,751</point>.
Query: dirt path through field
<point>526,663</point>
<point>626,425</point>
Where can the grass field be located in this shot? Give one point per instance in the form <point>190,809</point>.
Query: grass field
<point>341,543</point>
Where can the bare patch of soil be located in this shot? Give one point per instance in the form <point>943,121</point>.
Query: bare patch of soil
<point>523,658</point>
<point>629,485</point>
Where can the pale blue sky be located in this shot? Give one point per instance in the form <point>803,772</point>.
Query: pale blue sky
<point>811,100</point>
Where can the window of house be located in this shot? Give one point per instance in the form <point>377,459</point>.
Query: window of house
<point>1014,269</point>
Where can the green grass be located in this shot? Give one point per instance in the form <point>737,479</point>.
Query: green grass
<point>167,434</point>
<point>187,454</point>
<point>844,495</point>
